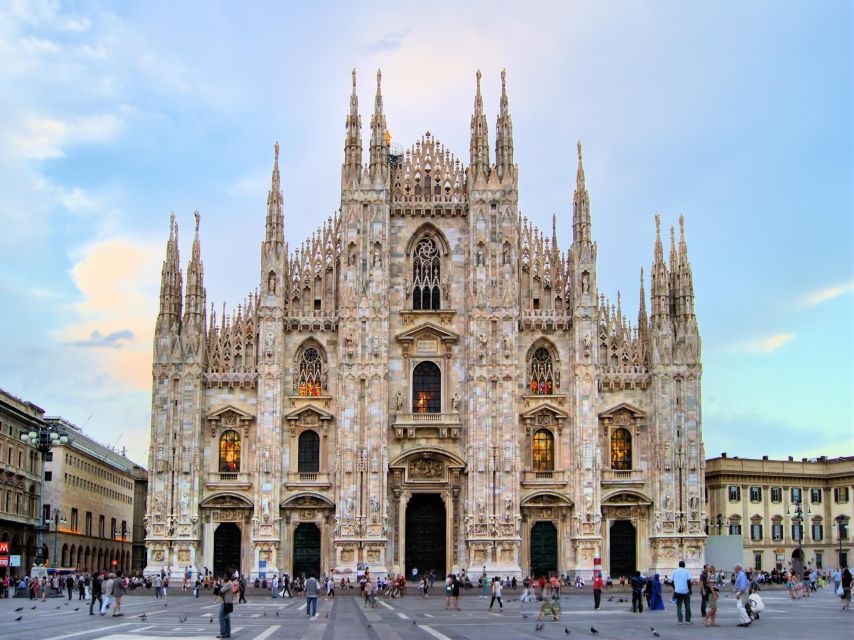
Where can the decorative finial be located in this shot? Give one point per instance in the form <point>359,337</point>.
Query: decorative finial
<point>379,78</point>
<point>276,150</point>
<point>198,217</point>
<point>503,79</point>
<point>579,149</point>
<point>354,78</point>
<point>681,224</point>
<point>172,226</point>
<point>672,235</point>
<point>477,75</point>
<point>657,225</point>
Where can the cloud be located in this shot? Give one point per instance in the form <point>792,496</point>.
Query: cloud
<point>764,345</point>
<point>96,340</point>
<point>389,42</point>
<point>42,137</point>
<point>830,293</point>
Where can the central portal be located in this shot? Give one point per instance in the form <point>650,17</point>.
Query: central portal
<point>544,549</point>
<point>307,551</point>
<point>226,549</point>
<point>623,549</point>
<point>425,534</point>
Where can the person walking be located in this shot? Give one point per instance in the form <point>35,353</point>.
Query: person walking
<point>837,579</point>
<point>330,587</point>
<point>455,589</point>
<point>711,607</point>
<point>117,591</point>
<point>97,583</point>
<point>656,603</point>
<point>225,590</point>
<point>286,586</point>
<point>158,587</point>
<point>274,587</point>
<point>638,583</point>
<point>682,592</point>
<point>311,597</point>
<point>742,587</point>
<point>704,590</point>
<point>496,594</point>
<point>107,589</point>
<point>449,590</point>
<point>81,587</point>
<point>598,585</point>
<point>845,583</point>
<point>69,586</point>
<point>164,591</point>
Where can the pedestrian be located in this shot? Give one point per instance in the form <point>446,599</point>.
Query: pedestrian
<point>813,579</point>
<point>425,587</point>
<point>158,586</point>
<point>712,596</point>
<point>598,585</point>
<point>225,590</point>
<point>286,581</point>
<point>330,587</point>
<point>845,583</point>
<point>704,590</point>
<point>117,592</point>
<point>456,592</point>
<point>741,595</point>
<point>197,586</point>
<point>311,597</point>
<point>415,574</point>
<point>837,579</point>
<point>682,592</point>
<point>81,587</point>
<point>656,602</point>
<point>638,583</point>
<point>449,590</point>
<point>496,594</point>
<point>274,587</point>
<point>97,582</point>
<point>107,589</point>
<point>756,604</point>
<point>165,589</point>
<point>43,589</point>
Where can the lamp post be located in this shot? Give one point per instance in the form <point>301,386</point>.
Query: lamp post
<point>43,440</point>
<point>124,534</point>
<point>57,517</point>
<point>796,513</point>
<point>841,528</point>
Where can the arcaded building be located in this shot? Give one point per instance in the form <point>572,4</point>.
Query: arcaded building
<point>427,381</point>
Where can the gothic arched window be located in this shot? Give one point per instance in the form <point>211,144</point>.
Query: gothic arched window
<point>426,276</point>
<point>543,458</point>
<point>308,456</point>
<point>426,388</point>
<point>621,450</point>
<point>310,377</point>
<point>229,452</point>
<point>542,373</point>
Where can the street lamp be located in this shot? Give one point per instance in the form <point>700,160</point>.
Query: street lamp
<point>796,513</point>
<point>57,517</point>
<point>44,439</point>
<point>841,527</point>
<point>124,535</point>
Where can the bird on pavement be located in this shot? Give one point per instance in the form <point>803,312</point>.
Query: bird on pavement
<point>18,619</point>
<point>57,607</point>
<point>566,630</point>
<point>66,604</point>
<point>166,605</point>
<point>611,599</point>
<point>142,617</point>
<point>77,609</point>
<point>277,614</point>
<point>32,607</point>
<point>19,609</point>
<point>211,620</point>
<point>592,630</point>
<point>525,615</point>
<point>655,634</point>
<point>264,614</point>
<point>413,622</point>
<point>539,626</point>
<point>182,620</point>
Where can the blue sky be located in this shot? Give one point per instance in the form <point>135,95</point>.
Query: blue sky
<point>738,115</point>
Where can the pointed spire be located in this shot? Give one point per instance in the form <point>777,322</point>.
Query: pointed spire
<point>660,291</point>
<point>379,142</point>
<point>194,304</point>
<point>479,145</point>
<point>643,321</point>
<point>275,225</point>
<point>685,292</point>
<point>504,134</point>
<point>353,137</point>
<point>170,282</point>
<point>580,205</point>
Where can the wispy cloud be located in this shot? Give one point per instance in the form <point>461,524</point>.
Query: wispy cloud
<point>817,297</point>
<point>389,42</point>
<point>96,340</point>
<point>764,345</point>
<point>43,137</point>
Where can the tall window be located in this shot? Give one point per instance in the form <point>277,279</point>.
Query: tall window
<point>426,388</point>
<point>544,451</point>
<point>309,452</point>
<point>840,494</point>
<point>797,495</point>
<point>817,531</point>
<point>815,496</point>
<point>734,493</point>
<point>426,276</point>
<point>229,452</point>
<point>776,531</point>
<point>776,494</point>
<point>309,381</point>
<point>621,450</point>
<point>756,532</point>
<point>542,373</point>
<point>756,494</point>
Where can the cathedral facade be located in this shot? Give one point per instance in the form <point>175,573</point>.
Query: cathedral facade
<point>428,382</point>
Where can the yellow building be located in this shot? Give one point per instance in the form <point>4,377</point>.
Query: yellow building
<point>787,512</point>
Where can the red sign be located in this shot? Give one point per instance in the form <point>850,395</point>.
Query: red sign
<point>4,561</point>
<point>4,548</point>
<point>115,562</point>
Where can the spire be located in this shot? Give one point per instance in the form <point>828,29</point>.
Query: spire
<point>479,146</point>
<point>170,282</point>
<point>685,292</point>
<point>643,321</point>
<point>504,134</point>
<point>379,142</point>
<point>353,136</point>
<point>580,205</point>
<point>194,302</point>
<point>674,273</point>
<point>275,232</point>
<point>660,292</point>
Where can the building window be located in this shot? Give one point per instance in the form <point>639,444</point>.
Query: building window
<point>426,276</point>
<point>817,531</point>
<point>542,373</point>
<point>734,493</point>
<point>621,450</point>
<point>74,520</point>
<point>815,496</point>
<point>797,495</point>
<point>426,388</point>
<point>776,531</point>
<point>756,532</point>
<point>88,523</point>
<point>843,532</point>
<point>840,494</point>
<point>819,560</point>
<point>757,561</point>
<point>309,381</point>
<point>543,451</point>
<point>229,452</point>
<point>309,452</point>
<point>124,530</point>
<point>112,528</point>
<point>734,529</point>
<point>776,494</point>
<point>756,494</point>
<point>797,532</point>
<point>101,525</point>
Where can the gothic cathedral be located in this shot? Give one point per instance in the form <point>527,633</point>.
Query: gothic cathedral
<point>427,382</point>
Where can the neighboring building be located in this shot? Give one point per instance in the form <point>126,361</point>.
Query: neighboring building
<point>92,491</point>
<point>427,381</point>
<point>20,482</point>
<point>756,499</point>
<point>140,489</point>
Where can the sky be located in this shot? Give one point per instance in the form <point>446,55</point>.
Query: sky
<point>737,115</point>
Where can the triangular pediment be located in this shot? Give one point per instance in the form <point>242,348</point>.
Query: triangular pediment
<point>307,412</point>
<point>623,406</point>
<point>545,407</point>
<point>228,411</point>
<point>427,329</point>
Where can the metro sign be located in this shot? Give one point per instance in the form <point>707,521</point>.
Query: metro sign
<point>4,548</point>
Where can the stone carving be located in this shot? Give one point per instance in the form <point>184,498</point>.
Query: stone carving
<point>426,469</point>
<point>455,403</point>
<point>508,346</point>
<point>349,345</point>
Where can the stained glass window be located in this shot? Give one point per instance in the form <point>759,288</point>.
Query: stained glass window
<point>309,452</point>
<point>309,382</point>
<point>426,388</point>
<point>621,450</point>
<point>544,451</point>
<point>542,373</point>
<point>229,452</point>
<point>426,276</point>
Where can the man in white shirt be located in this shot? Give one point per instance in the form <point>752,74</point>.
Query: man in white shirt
<point>682,592</point>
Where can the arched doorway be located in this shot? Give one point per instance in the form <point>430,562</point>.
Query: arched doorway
<point>226,549</point>
<point>425,534</point>
<point>543,549</point>
<point>307,550</point>
<point>623,545</point>
<point>798,562</point>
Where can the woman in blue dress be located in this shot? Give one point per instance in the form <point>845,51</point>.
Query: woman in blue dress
<point>656,604</point>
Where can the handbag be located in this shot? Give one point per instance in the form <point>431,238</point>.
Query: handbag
<point>840,591</point>
<point>227,607</point>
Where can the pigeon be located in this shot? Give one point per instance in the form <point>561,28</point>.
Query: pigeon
<point>539,626</point>
<point>277,614</point>
<point>165,605</point>
<point>182,620</point>
<point>611,599</point>
<point>19,609</point>
<point>413,622</point>
<point>592,630</point>
<point>77,609</point>
<point>652,628</point>
<point>655,634</point>
<point>32,607</point>
<point>265,614</point>
<point>211,620</point>
<point>66,604</point>
<point>566,630</point>
<point>57,607</point>
<point>18,619</point>
<point>525,615</point>
<point>142,617</point>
